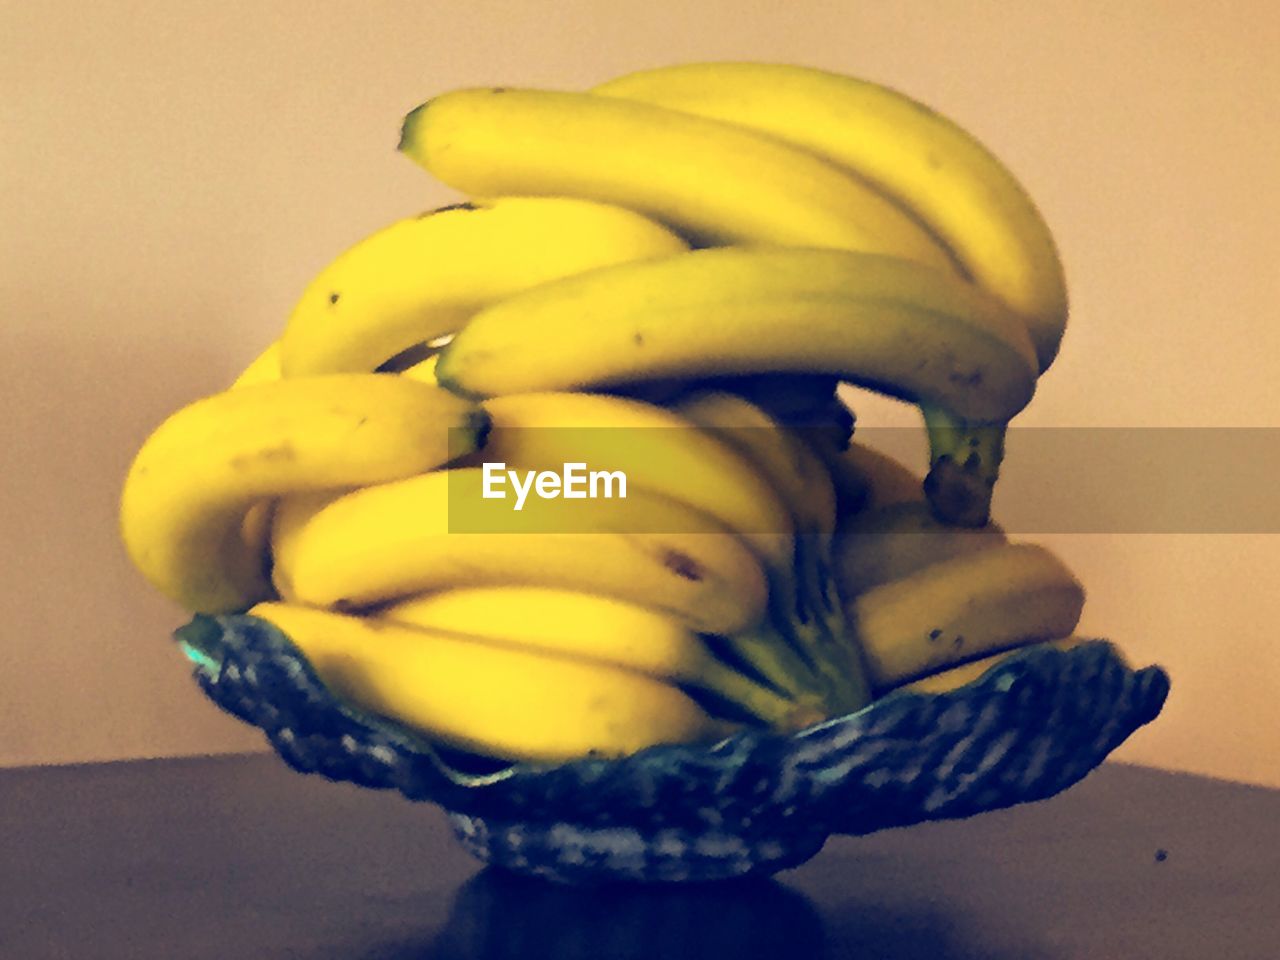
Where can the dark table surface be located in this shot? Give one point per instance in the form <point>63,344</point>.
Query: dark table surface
<point>236,857</point>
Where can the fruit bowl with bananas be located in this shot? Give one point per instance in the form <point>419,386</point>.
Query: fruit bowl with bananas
<point>545,506</point>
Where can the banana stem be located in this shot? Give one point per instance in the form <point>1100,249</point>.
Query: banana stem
<point>831,639</point>
<point>821,637</point>
<point>792,612</point>
<point>768,653</point>
<point>827,571</point>
<point>855,691</point>
<point>965,463</point>
<point>774,710</point>
<point>817,572</point>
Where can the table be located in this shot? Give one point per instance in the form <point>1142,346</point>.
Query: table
<point>239,857</point>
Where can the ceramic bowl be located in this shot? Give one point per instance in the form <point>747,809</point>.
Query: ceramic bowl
<point>753,804</point>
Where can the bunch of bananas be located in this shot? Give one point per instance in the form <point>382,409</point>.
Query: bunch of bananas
<point>671,273</point>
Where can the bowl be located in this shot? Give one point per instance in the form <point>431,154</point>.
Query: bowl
<point>752,804</point>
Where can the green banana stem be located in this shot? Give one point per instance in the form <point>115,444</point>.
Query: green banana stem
<point>791,623</point>
<point>768,652</point>
<point>965,463</point>
<point>827,571</point>
<point>839,653</point>
<point>839,695</point>
<point>821,635</point>
<point>856,690</point>
<point>809,574</point>
<point>818,566</point>
<point>774,710</point>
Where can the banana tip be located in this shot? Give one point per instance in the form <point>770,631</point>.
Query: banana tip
<point>480,424</point>
<point>447,381</point>
<point>409,128</point>
<point>958,497</point>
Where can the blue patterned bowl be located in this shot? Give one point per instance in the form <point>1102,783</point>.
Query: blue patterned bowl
<point>752,804</point>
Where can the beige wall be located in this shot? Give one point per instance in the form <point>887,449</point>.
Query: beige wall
<point>172,172</point>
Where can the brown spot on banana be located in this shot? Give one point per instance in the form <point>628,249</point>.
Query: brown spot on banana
<point>682,565</point>
<point>282,453</point>
<point>464,205</point>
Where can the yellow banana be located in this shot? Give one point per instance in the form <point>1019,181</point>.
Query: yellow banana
<point>598,629</point>
<point>888,323</point>
<point>954,678</point>
<point>788,465</point>
<point>255,530</point>
<point>435,531</point>
<point>920,158</point>
<point>186,494</point>
<point>809,606</point>
<point>265,367</point>
<point>713,182</point>
<point>424,276</point>
<point>889,543</point>
<point>655,448</point>
<point>660,453</point>
<point>962,608</point>
<point>498,701</point>
<point>885,323</point>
